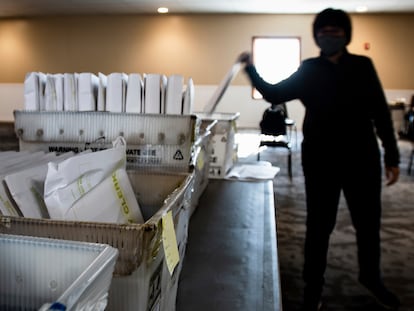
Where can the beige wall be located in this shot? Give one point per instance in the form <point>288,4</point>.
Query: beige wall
<point>202,47</point>
<point>199,46</point>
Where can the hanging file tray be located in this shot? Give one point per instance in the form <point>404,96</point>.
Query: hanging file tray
<point>36,272</point>
<point>158,194</point>
<point>153,140</point>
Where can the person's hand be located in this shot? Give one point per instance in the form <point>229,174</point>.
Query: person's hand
<point>392,173</point>
<point>245,58</point>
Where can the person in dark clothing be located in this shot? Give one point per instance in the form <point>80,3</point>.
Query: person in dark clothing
<point>347,110</point>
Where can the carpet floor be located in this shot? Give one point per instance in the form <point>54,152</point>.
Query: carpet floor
<point>342,291</point>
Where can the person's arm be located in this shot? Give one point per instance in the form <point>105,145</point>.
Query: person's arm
<point>392,174</point>
<point>272,93</point>
<point>384,127</point>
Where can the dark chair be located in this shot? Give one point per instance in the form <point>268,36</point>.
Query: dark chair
<point>276,131</point>
<point>410,163</point>
<point>407,132</point>
<point>410,138</point>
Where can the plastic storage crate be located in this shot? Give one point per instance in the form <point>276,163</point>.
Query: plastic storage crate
<point>154,141</point>
<point>149,285</point>
<point>201,163</point>
<point>168,170</point>
<point>223,153</point>
<point>138,279</point>
<point>157,193</point>
<point>35,272</point>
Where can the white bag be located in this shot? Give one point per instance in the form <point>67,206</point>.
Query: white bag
<point>113,200</point>
<point>70,182</point>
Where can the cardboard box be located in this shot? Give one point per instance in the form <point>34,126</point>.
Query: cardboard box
<point>36,272</point>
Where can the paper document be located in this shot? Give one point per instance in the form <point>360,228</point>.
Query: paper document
<point>263,170</point>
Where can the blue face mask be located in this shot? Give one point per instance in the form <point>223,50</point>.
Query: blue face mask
<point>330,45</point>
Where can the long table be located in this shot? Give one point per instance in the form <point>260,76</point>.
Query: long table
<point>231,259</point>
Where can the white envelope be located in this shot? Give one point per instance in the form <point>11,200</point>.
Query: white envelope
<point>8,153</point>
<point>152,93</point>
<point>31,91</point>
<point>101,105</point>
<point>188,101</point>
<point>42,85</point>
<point>50,93</point>
<point>20,159</point>
<point>174,94</point>
<point>68,181</point>
<point>54,92</point>
<point>163,87</point>
<point>34,87</point>
<point>7,206</point>
<point>87,91</point>
<point>59,91</point>
<point>112,200</point>
<point>6,156</point>
<point>26,187</point>
<point>116,92</point>
<point>70,91</point>
<point>134,93</point>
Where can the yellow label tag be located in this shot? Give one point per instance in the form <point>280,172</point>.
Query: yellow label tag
<point>172,257</point>
<point>121,197</point>
<point>200,160</point>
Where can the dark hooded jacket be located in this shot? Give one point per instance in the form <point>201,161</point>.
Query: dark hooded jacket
<point>345,106</point>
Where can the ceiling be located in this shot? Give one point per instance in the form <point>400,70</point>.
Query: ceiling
<point>19,8</point>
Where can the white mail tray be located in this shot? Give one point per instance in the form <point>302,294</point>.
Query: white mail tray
<point>153,140</point>
<point>36,272</point>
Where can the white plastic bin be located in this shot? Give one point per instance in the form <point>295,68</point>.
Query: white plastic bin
<point>154,141</point>
<point>223,153</point>
<point>36,272</point>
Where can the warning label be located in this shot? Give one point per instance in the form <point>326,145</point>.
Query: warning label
<point>178,155</point>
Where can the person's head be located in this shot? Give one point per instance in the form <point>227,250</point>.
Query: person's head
<point>332,30</point>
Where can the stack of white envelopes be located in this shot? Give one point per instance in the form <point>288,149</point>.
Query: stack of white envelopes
<point>150,93</point>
